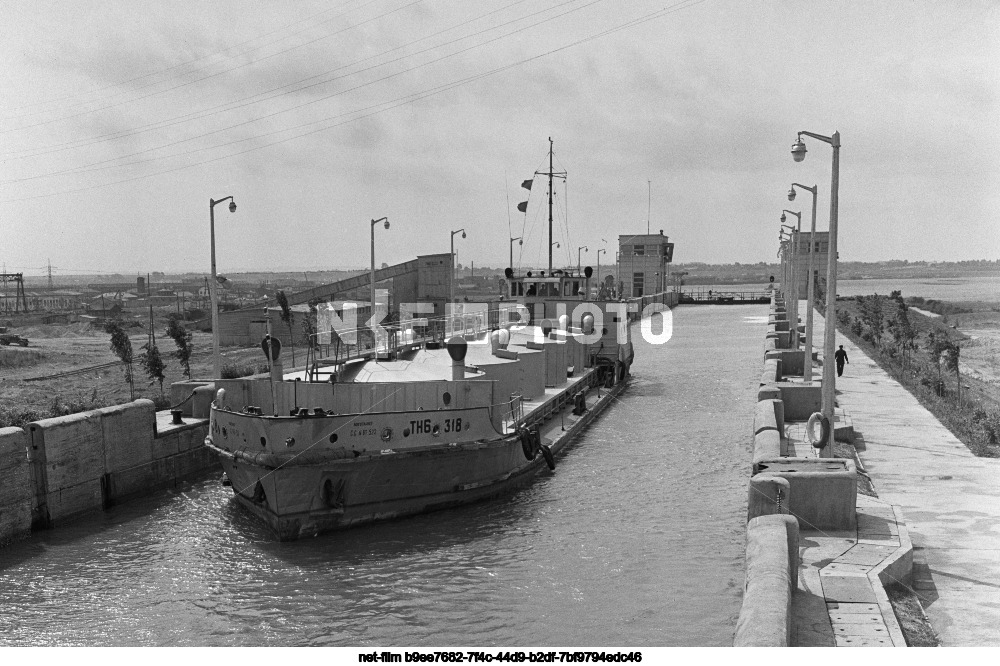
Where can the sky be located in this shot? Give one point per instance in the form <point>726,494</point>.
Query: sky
<point>120,120</point>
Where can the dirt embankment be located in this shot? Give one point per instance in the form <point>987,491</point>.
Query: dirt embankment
<point>71,367</point>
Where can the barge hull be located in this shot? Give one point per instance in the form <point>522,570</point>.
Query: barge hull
<point>305,500</point>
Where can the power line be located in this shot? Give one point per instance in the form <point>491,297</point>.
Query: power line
<point>205,78</point>
<point>96,166</point>
<point>182,64</point>
<point>407,99</point>
<point>236,104</point>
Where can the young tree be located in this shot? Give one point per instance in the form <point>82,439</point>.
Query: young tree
<point>902,330</point>
<point>938,347</point>
<point>152,363</point>
<point>873,317</point>
<point>952,353</point>
<point>287,317</point>
<point>150,359</point>
<point>122,347</point>
<point>182,338</point>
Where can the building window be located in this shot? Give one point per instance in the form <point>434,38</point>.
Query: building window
<point>638,280</point>
<point>639,250</point>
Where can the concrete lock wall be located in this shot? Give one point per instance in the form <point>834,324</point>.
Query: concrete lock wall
<point>68,465</point>
<point>771,565</point>
<point>61,467</point>
<point>16,490</point>
<point>824,491</point>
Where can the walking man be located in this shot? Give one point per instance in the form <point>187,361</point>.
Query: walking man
<point>841,356</point>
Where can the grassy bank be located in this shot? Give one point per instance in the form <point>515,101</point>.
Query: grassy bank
<point>922,354</point>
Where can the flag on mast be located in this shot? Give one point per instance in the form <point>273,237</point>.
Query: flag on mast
<point>523,206</point>
<point>527,184</point>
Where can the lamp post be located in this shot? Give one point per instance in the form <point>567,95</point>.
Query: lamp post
<point>829,328</point>
<point>451,274</point>
<point>579,269</point>
<point>520,242</point>
<point>810,296</point>
<point>794,275</point>
<point>372,276</point>
<point>213,285</point>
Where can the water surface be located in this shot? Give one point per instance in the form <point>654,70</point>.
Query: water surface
<point>636,539</point>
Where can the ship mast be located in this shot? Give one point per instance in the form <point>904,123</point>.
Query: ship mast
<point>551,173</point>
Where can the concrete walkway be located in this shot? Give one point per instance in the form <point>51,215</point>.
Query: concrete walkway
<point>840,601</point>
<point>950,499</point>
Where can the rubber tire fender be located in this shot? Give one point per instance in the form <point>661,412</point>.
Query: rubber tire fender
<point>527,444</point>
<point>824,430</point>
<point>549,458</point>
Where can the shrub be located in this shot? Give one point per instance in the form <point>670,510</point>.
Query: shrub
<point>161,402</point>
<point>237,370</point>
<point>14,417</point>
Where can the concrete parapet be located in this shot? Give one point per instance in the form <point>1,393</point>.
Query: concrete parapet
<point>801,400</point>
<point>767,445</point>
<point>765,617</point>
<point>128,432</point>
<point>769,415</point>
<point>182,396</point>
<point>68,464</point>
<point>778,325</point>
<point>768,495</point>
<point>772,371</point>
<point>201,402</point>
<point>823,493</point>
<point>769,392</point>
<point>16,490</point>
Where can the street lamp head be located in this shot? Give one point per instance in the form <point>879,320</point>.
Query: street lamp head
<point>783,218</point>
<point>791,194</point>
<point>387,224</point>
<point>463,234</point>
<point>520,242</point>
<point>798,150</point>
<point>232,206</point>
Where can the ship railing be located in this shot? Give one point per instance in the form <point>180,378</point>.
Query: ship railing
<point>514,413</point>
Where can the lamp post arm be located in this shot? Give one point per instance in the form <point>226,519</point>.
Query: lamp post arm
<point>806,187</point>
<point>830,140</point>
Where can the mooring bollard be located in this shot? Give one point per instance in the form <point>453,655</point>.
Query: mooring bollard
<point>176,415</point>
